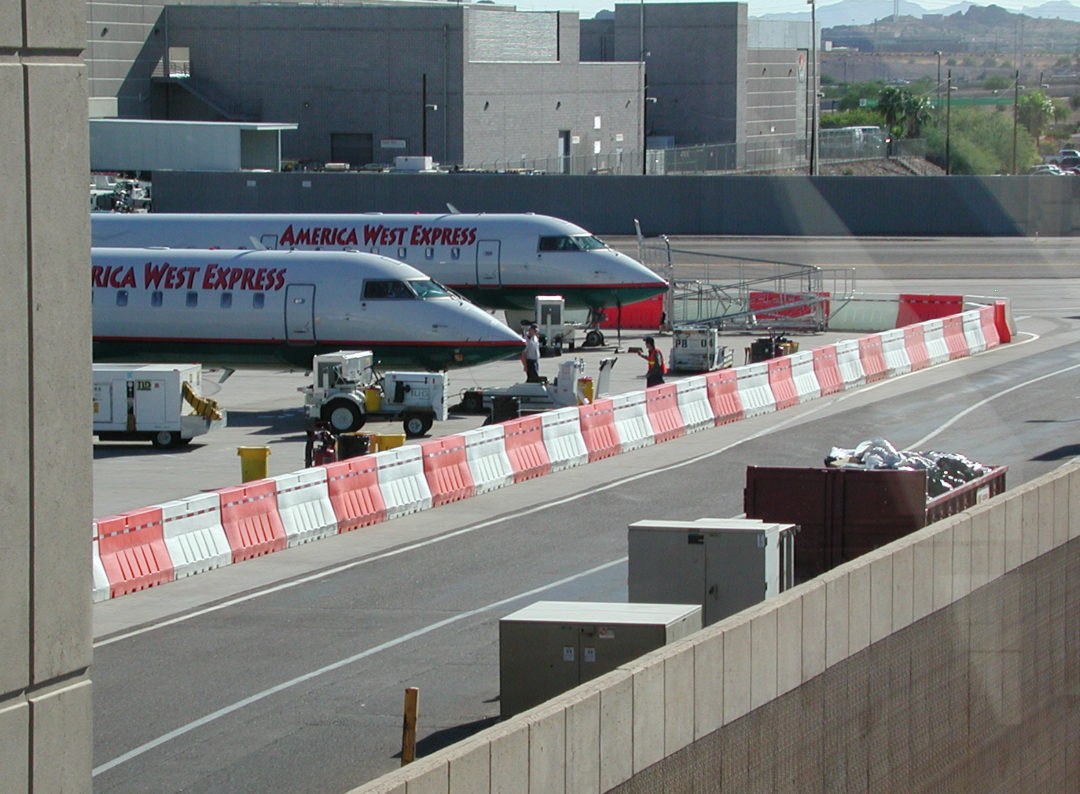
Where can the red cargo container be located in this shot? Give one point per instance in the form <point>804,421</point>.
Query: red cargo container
<point>845,512</point>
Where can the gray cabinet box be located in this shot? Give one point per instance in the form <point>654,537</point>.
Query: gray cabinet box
<point>726,565</point>
<point>552,646</point>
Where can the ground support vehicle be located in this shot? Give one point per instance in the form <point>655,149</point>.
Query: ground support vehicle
<point>147,402</point>
<point>346,391</point>
<point>570,387</point>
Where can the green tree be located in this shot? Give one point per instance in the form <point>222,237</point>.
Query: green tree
<point>1035,111</point>
<point>916,114</point>
<point>891,106</point>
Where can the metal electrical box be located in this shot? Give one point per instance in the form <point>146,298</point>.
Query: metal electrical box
<point>698,350</point>
<point>552,646</point>
<point>726,565</point>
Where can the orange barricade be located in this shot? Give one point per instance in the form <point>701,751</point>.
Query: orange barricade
<point>525,448</point>
<point>917,308</point>
<point>133,552</point>
<point>446,469</point>
<point>988,321</point>
<point>782,384</point>
<point>827,370</point>
<point>915,344</point>
<point>249,515</point>
<point>598,429</point>
<point>723,386</point>
<point>955,340</point>
<point>1001,322</point>
<point>872,358</point>
<point>353,486</point>
<point>662,405</point>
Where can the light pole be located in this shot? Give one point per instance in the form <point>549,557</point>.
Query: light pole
<point>425,107</point>
<point>938,83</point>
<point>948,109</point>
<point>1016,100</point>
<point>813,90</point>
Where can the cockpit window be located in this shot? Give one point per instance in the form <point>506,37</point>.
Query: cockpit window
<point>578,242</point>
<point>426,288</point>
<point>387,290</point>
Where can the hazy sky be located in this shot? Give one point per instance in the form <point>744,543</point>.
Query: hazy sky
<point>588,8</point>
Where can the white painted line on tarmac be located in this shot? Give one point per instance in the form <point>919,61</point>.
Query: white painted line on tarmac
<point>300,679</point>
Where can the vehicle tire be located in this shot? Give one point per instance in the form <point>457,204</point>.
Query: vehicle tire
<point>165,439</point>
<point>472,402</point>
<point>343,416</point>
<point>417,424</point>
<point>593,339</point>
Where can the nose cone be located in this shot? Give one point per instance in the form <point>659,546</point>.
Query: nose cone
<point>636,282</point>
<point>484,337</point>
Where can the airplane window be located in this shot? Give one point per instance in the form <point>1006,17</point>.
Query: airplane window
<point>157,297</point>
<point>258,300</point>
<point>392,290</point>
<point>587,242</point>
<point>192,300</point>
<point>122,297</point>
<point>402,253</point>
<point>455,253</point>
<point>560,243</point>
<point>429,253</point>
<point>226,300</point>
<point>426,288</point>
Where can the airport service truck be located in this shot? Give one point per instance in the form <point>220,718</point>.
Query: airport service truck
<point>159,403</point>
<point>346,391</point>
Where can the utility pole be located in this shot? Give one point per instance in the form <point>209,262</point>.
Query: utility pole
<point>813,90</point>
<point>1016,100</point>
<point>948,109</point>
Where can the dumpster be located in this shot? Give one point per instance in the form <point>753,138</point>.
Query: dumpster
<point>844,513</point>
<point>352,445</point>
<point>384,441</point>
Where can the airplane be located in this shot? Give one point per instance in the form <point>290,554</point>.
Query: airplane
<point>258,308</point>
<point>498,261</point>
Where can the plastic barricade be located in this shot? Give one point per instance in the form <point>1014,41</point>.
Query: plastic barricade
<point>251,520</point>
<point>915,345</point>
<point>662,406</point>
<point>872,357</point>
<point>973,332</point>
<point>827,370</point>
<point>598,429</point>
<point>525,448</point>
<point>694,406</point>
<point>953,330</point>
<point>485,451</point>
<point>353,487</point>
<point>563,441</point>
<point>632,420</point>
<point>133,552</point>
<point>402,482</point>
<point>723,390</point>
<point>919,308</point>
<point>101,591</point>
<point>1003,321</point>
<point>894,349</point>
<point>803,376</point>
<point>781,383</point>
<point>755,393</point>
<point>194,535</point>
<point>849,362</point>
<point>303,500</point>
<point>989,326</point>
<point>446,468</point>
<point>934,336</point>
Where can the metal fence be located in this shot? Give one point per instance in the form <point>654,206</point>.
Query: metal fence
<point>757,156</point>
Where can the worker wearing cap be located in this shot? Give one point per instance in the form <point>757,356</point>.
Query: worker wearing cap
<point>531,357</point>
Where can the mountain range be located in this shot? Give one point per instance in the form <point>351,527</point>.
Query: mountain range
<point>865,12</point>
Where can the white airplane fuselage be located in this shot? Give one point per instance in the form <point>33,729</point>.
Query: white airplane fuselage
<point>241,308</point>
<point>499,261</point>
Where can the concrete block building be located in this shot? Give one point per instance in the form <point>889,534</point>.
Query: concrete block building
<point>465,84</point>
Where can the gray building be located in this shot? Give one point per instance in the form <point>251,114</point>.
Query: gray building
<point>467,84</point>
<point>712,75</point>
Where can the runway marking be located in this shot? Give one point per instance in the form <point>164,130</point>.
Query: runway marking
<point>300,679</point>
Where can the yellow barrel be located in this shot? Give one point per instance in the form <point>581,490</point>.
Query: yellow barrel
<point>389,441</point>
<point>253,462</point>
<point>585,388</point>
<point>372,400</point>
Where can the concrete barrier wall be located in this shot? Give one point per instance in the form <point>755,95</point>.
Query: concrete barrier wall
<point>754,205</point>
<point>948,660</point>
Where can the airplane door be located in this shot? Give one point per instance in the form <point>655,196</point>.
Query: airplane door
<point>487,264</point>
<point>300,314</point>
